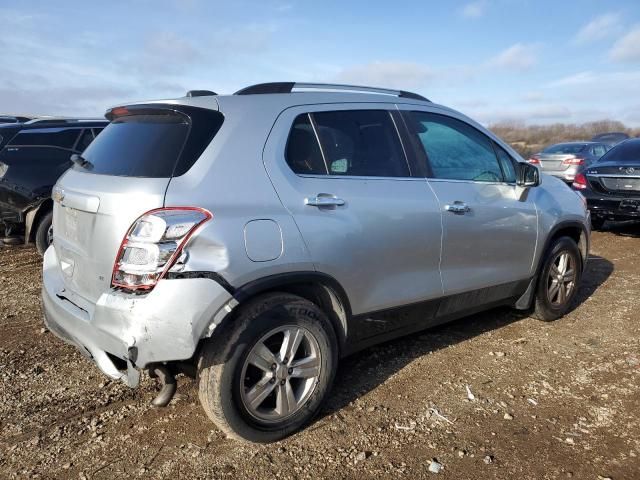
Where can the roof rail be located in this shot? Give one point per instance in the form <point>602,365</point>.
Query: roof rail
<point>292,87</point>
<point>62,120</point>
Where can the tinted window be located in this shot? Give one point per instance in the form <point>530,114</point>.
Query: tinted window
<point>565,148</point>
<point>599,150</point>
<point>455,150</point>
<point>56,137</point>
<point>507,163</point>
<point>626,152</point>
<point>85,139</point>
<point>361,143</point>
<point>303,152</point>
<point>152,143</point>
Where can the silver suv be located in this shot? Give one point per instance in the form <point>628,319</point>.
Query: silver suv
<point>252,240</point>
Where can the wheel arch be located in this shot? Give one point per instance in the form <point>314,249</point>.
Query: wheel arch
<point>319,288</point>
<point>33,218</point>
<point>575,230</point>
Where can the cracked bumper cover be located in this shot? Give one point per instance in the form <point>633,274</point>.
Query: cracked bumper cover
<point>163,325</point>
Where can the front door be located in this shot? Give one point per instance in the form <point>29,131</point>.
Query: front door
<point>490,224</point>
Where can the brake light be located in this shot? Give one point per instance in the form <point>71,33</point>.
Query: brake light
<point>153,244</point>
<point>573,161</point>
<point>534,160</point>
<point>579,182</point>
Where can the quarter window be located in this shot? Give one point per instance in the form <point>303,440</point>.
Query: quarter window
<point>599,150</point>
<point>361,143</point>
<point>456,151</point>
<point>507,164</point>
<point>303,152</point>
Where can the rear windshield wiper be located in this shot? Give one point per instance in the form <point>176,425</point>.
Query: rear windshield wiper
<point>81,161</point>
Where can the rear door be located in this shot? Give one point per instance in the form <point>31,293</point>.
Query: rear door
<point>490,228</point>
<point>366,218</point>
<point>130,165</point>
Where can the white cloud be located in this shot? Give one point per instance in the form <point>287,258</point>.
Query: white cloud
<point>533,96</point>
<point>475,9</point>
<point>627,48</point>
<point>517,57</point>
<point>392,74</point>
<point>599,28</point>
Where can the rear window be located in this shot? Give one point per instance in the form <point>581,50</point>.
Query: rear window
<point>152,142</point>
<point>626,152</point>
<point>565,148</point>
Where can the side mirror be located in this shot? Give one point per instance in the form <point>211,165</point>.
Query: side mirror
<point>528,175</point>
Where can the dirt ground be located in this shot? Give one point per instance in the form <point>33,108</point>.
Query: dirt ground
<point>552,400</point>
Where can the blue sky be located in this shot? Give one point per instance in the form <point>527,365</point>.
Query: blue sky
<point>536,61</point>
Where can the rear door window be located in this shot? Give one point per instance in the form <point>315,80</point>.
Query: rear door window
<point>362,143</point>
<point>152,142</point>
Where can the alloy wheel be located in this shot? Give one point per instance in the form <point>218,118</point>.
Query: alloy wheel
<point>561,279</point>
<point>280,373</point>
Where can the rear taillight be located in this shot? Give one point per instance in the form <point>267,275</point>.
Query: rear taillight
<point>534,160</point>
<point>573,161</point>
<point>579,182</point>
<point>153,244</point>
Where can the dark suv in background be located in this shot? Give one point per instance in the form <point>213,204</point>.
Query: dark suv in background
<point>612,184</point>
<point>32,157</point>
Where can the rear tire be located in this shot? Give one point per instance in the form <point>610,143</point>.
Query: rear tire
<point>597,223</point>
<point>231,384</point>
<point>558,281</point>
<point>44,233</point>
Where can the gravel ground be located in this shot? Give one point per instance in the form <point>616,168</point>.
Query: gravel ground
<point>554,400</point>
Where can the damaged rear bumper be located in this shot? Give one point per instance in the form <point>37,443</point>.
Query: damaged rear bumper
<point>123,333</point>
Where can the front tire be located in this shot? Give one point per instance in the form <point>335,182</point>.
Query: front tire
<point>268,372</point>
<point>558,280</point>
<point>44,233</point>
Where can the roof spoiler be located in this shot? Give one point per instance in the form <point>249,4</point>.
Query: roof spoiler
<point>200,93</point>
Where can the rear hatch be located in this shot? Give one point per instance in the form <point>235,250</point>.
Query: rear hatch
<point>125,173</point>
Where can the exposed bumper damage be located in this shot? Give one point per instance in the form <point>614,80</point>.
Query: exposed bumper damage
<point>123,333</point>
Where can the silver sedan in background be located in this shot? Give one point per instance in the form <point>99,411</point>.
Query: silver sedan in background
<point>564,160</point>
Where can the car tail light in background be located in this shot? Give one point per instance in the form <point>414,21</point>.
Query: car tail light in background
<point>534,160</point>
<point>579,182</point>
<point>573,161</point>
<point>153,244</point>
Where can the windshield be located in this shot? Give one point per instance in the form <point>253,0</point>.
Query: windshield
<point>627,152</point>
<point>565,148</point>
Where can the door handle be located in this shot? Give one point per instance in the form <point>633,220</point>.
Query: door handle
<point>457,207</point>
<point>324,200</point>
